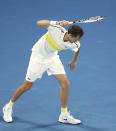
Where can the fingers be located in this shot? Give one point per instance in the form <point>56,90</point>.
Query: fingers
<point>71,67</point>
<point>69,64</point>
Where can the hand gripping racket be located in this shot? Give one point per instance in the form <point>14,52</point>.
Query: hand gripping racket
<point>89,20</point>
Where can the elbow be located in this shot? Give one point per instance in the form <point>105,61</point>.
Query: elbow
<point>39,22</point>
<point>43,23</point>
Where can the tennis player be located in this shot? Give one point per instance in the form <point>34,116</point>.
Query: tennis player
<point>45,57</point>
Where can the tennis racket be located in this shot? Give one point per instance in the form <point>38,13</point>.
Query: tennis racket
<point>89,20</point>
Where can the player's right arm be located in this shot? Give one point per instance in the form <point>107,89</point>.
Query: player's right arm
<point>46,23</point>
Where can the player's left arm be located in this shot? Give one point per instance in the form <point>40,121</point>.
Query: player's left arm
<point>47,23</point>
<point>72,63</point>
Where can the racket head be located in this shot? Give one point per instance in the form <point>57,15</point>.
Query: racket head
<point>91,19</point>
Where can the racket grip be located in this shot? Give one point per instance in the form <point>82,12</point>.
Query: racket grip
<point>71,22</point>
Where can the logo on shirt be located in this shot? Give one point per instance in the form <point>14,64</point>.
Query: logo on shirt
<point>65,47</point>
<point>28,78</point>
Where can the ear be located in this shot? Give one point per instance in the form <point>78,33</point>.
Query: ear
<point>70,35</point>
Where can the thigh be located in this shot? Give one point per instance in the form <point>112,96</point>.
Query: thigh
<point>56,67</point>
<point>34,73</point>
<point>61,78</point>
<point>35,69</point>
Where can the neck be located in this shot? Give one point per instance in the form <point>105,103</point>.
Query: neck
<point>65,39</point>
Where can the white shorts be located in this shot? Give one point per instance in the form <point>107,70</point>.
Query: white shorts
<point>37,66</point>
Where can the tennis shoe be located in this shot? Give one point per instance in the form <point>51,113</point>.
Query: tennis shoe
<point>65,117</point>
<point>7,113</point>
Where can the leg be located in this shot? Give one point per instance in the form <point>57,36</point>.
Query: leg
<point>65,117</point>
<point>7,109</point>
<point>64,87</point>
<point>21,89</point>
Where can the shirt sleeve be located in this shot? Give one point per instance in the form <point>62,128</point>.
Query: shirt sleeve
<point>50,28</point>
<point>54,28</point>
<point>75,46</point>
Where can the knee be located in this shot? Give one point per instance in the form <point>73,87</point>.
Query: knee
<point>27,85</point>
<point>65,84</point>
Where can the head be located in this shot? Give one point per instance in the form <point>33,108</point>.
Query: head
<point>74,34</point>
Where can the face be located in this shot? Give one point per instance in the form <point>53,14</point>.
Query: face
<point>73,39</point>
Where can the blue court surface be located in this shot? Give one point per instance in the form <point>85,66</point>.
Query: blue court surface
<point>92,83</point>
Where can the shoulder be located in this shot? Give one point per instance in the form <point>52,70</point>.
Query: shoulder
<point>57,28</point>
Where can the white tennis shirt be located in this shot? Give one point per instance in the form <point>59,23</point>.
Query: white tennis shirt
<point>52,42</point>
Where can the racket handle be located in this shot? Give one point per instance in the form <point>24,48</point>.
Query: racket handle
<point>71,22</point>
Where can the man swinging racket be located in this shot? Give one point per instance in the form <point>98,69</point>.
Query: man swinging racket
<point>45,57</point>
